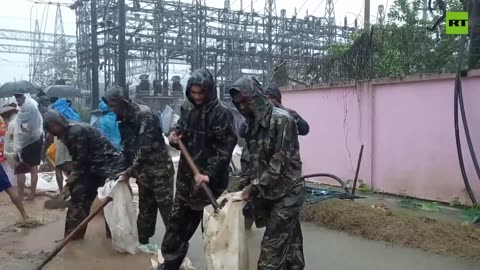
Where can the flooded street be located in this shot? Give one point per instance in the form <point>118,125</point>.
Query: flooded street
<point>324,249</point>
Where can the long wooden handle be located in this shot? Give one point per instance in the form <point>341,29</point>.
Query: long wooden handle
<point>74,232</point>
<point>196,171</point>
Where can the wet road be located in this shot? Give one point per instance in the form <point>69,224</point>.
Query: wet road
<point>324,249</point>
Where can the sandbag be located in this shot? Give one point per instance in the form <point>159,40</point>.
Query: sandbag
<point>224,235</point>
<point>121,216</point>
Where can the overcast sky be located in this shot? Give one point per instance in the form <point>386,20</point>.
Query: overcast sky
<point>21,15</point>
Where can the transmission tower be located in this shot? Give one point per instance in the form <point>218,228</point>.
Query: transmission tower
<point>381,15</point>
<point>270,13</point>
<point>40,58</point>
<point>60,48</point>
<point>330,17</point>
<point>169,37</point>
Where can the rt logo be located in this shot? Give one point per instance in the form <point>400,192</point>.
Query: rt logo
<point>457,23</point>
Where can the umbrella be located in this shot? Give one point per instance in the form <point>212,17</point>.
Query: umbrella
<point>17,87</point>
<point>62,91</point>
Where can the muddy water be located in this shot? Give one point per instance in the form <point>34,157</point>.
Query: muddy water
<point>324,249</point>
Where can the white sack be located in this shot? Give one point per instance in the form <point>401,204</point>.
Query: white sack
<point>166,118</point>
<point>120,215</point>
<point>224,235</point>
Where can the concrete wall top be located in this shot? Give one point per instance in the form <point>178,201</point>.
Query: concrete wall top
<point>392,80</point>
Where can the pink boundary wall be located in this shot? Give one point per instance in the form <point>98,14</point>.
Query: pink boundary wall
<point>407,127</point>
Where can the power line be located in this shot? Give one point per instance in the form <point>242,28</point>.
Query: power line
<point>318,7</point>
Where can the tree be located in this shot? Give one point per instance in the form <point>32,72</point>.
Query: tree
<point>401,47</point>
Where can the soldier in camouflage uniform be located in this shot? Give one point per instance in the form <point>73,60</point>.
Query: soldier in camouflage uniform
<point>94,159</point>
<point>206,128</point>
<point>150,163</point>
<point>273,183</point>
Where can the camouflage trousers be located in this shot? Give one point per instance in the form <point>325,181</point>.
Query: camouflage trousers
<point>282,243</point>
<point>155,192</point>
<point>184,222</point>
<point>82,195</point>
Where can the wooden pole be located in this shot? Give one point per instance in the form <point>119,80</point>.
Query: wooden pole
<point>359,162</point>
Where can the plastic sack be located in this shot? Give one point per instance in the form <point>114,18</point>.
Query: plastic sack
<point>166,119</point>
<point>121,216</point>
<point>28,124</point>
<point>224,234</point>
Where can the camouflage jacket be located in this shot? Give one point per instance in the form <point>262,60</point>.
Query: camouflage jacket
<point>302,126</point>
<point>143,143</point>
<point>92,153</point>
<point>271,157</point>
<point>209,136</point>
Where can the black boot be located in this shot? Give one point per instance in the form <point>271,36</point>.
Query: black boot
<point>144,241</point>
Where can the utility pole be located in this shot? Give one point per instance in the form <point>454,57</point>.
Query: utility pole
<point>122,48</point>
<point>95,55</point>
<point>366,16</point>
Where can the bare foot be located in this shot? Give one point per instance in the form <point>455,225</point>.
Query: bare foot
<point>30,197</point>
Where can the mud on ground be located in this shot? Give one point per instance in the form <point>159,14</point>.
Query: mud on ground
<point>13,256</point>
<point>398,228</point>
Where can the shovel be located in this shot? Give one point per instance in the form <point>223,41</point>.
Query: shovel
<point>196,171</point>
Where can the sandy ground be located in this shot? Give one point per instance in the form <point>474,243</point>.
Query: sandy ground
<point>324,249</point>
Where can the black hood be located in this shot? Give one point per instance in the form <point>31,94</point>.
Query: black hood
<point>203,78</point>
<point>260,105</point>
<point>273,91</point>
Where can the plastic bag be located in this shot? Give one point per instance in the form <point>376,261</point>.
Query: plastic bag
<point>224,234</point>
<point>121,217</point>
<point>166,119</point>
